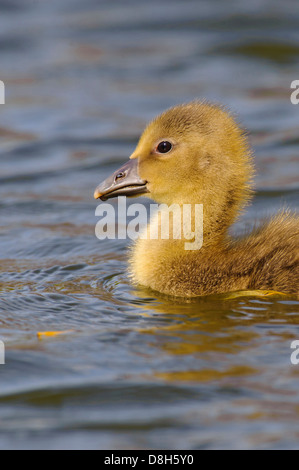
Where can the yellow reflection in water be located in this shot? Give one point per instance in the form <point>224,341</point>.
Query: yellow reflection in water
<point>221,332</point>
<point>205,375</point>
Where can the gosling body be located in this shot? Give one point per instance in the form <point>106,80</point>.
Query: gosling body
<point>197,154</point>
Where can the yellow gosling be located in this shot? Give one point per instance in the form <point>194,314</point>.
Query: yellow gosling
<point>196,154</point>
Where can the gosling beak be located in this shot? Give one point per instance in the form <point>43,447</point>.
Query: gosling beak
<point>123,182</point>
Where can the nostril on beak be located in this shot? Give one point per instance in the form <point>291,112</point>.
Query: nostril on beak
<point>119,175</point>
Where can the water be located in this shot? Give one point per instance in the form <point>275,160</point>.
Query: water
<point>135,369</point>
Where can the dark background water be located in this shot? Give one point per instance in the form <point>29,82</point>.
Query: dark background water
<point>135,370</point>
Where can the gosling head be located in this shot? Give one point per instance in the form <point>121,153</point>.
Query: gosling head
<point>192,153</point>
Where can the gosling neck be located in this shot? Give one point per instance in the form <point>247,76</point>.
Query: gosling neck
<point>186,227</point>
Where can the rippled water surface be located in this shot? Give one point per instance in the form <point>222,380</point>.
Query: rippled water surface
<point>134,369</point>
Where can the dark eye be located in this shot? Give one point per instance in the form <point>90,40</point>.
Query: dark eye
<point>164,147</point>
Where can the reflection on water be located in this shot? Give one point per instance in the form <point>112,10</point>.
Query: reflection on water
<point>135,369</point>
